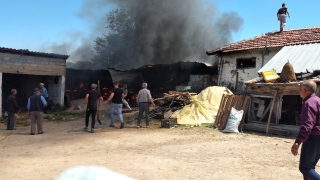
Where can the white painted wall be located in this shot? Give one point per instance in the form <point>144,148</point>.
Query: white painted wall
<point>56,91</point>
<point>229,69</point>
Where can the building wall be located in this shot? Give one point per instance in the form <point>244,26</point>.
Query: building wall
<point>228,75</point>
<point>23,64</point>
<point>56,91</point>
<point>41,69</point>
<point>200,82</point>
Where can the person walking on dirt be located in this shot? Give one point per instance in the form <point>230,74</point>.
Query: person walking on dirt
<point>35,106</point>
<point>143,100</point>
<point>309,134</point>
<point>125,92</point>
<point>12,108</point>
<point>281,15</point>
<point>91,100</point>
<point>116,105</point>
<point>44,93</point>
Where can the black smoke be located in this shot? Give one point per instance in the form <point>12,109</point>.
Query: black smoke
<point>166,31</point>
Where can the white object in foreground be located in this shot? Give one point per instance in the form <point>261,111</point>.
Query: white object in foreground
<point>233,121</point>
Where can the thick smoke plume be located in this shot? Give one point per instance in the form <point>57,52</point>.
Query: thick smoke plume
<point>166,31</point>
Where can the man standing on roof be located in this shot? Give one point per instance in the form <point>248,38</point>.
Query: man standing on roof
<point>309,134</point>
<point>281,15</point>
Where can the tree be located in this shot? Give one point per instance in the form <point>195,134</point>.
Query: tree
<point>116,49</point>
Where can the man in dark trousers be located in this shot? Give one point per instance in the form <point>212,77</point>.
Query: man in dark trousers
<point>91,100</point>
<point>309,134</point>
<point>12,108</point>
<point>281,15</point>
<point>35,106</point>
<point>143,100</point>
<point>116,105</point>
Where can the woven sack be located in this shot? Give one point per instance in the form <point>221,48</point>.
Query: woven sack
<point>287,73</point>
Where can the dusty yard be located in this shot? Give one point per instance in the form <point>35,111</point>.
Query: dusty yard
<point>145,153</point>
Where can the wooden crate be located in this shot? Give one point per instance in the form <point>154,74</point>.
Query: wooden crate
<point>239,102</point>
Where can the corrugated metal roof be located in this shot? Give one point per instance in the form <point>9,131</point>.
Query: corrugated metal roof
<point>304,58</point>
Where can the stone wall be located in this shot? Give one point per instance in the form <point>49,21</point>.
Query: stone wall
<point>23,64</point>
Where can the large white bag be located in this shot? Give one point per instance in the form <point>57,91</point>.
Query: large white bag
<point>233,121</point>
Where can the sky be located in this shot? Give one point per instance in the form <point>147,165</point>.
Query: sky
<point>35,24</point>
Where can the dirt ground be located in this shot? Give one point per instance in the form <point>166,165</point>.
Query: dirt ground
<point>147,153</point>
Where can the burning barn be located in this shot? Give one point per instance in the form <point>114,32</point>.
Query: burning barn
<point>79,81</point>
<point>161,78</point>
<point>24,70</point>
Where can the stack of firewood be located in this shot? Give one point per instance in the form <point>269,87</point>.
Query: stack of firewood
<point>175,98</point>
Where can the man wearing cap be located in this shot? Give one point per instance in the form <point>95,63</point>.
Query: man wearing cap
<point>44,93</point>
<point>91,100</point>
<point>12,108</point>
<point>143,100</point>
<point>35,106</point>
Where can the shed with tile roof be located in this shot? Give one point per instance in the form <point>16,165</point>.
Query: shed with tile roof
<point>241,61</point>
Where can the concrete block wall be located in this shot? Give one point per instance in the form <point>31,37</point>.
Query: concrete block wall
<point>200,82</point>
<point>56,91</point>
<point>23,64</point>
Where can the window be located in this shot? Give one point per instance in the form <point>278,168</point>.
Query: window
<point>246,63</point>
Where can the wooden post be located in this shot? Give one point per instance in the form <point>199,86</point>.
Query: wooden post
<point>280,108</point>
<point>98,111</point>
<point>271,109</point>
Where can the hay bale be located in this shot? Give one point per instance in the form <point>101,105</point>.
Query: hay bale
<point>287,73</point>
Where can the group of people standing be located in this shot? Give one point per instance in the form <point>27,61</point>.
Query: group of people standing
<point>36,105</point>
<point>117,96</point>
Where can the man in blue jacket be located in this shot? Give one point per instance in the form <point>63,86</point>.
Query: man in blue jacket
<point>44,93</point>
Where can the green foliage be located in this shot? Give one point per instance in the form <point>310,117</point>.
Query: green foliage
<point>62,115</point>
<point>117,48</point>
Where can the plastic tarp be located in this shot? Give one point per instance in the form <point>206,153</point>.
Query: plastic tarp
<point>203,107</point>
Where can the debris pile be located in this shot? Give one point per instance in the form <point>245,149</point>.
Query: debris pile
<point>170,102</point>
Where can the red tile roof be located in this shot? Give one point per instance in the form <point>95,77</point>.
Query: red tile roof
<point>274,39</point>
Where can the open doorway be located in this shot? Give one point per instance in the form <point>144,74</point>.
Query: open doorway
<point>25,85</point>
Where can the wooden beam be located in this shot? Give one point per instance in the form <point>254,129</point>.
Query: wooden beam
<point>271,110</point>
